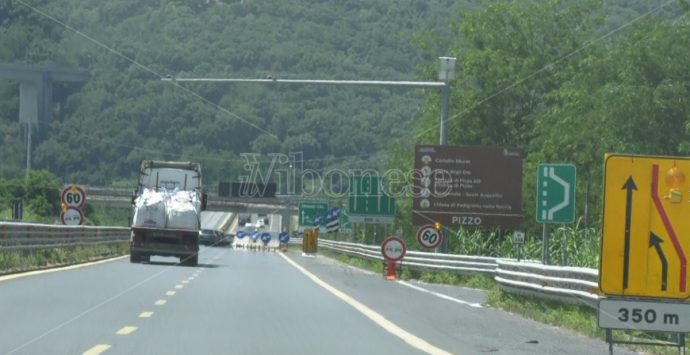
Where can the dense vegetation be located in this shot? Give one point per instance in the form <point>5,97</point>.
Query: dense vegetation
<point>565,81</point>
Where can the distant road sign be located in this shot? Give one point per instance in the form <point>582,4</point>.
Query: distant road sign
<point>467,186</point>
<point>266,237</point>
<point>72,216</point>
<point>393,249</point>
<point>284,237</point>
<point>367,203</point>
<point>240,234</point>
<point>429,237</point>
<point>73,196</point>
<point>555,193</point>
<point>646,231</point>
<point>309,210</point>
<point>518,237</point>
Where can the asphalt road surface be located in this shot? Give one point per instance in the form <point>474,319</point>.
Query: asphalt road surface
<point>247,302</point>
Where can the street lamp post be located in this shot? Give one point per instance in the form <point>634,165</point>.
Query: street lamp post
<point>446,74</point>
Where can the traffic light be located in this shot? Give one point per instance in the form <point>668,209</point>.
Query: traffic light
<point>437,225</point>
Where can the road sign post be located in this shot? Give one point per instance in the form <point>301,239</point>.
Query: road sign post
<point>393,250</point>
<point>519,240</point>
<point>73,199</point>
<point>555,199</point>
<point>644,246</point>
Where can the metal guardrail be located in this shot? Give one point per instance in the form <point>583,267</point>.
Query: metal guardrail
<point>26,236</point>
<point>564,284</point>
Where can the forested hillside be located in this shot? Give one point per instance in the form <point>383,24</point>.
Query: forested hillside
<point>124,113</point>
<point>566,81</point>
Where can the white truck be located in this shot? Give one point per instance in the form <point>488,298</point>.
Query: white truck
<point>167,206</point>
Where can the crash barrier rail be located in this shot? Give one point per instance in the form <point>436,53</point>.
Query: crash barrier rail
<point>559,283</point>
<point>26,236</point>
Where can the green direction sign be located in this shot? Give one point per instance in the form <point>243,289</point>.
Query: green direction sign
<point>555,193</point>
<point>367,203</point>
<point>308,210</point>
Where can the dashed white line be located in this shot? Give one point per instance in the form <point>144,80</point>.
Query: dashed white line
<point>145,314</point>
<point>160,302</point>
<point>97,349</point>
<point>179,286</point>
<point>170,293</point>
<point>126,330</point>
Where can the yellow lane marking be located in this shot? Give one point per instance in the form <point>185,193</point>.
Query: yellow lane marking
<point>126,330</point>
<point>145,314</point>
<point>179,286</point>
<point>170,293</point>
<point>377,318</point>
<point>160,302</point>
<point>39,272</point>
<point>97,349</point>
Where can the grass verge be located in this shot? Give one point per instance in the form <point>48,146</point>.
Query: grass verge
<point>14,261</point>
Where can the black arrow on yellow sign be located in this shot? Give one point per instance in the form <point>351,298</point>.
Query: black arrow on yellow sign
<point>629,186</point>
<point>655,241</point>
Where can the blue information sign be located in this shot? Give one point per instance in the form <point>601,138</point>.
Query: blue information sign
<point>284,237</point>
<point>266,237</point>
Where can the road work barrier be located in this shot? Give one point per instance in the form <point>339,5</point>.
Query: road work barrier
<point>27,236</point>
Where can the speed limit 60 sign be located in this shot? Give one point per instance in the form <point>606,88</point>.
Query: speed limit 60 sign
<point>429,236</point>
<point>73,196</point>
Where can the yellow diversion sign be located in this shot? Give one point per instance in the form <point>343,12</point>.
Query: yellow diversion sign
<point>646,228</point>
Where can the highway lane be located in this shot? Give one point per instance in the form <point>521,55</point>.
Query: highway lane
<point>246,302</point>
<point>235,302</point>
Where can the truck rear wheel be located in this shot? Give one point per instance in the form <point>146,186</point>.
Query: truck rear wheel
<point>134,258</point>
<point>191,260</point>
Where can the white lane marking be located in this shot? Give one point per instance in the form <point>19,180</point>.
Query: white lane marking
<point>185,281</point>
<point>190,278</point>
<point>179,286</point>
<point>170,293</point>
<point>145,314</point>
<point>377,318</point>
<point>126,330</point>
<point>160,302</point>
<point>71,267</point>
<point>440,295</point>
<point>97,349</point>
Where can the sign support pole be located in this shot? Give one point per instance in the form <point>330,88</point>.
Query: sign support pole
<point>545,243</point>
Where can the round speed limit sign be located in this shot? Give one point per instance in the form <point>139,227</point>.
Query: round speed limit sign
<point>429,237</point>
<point>393,249</point>
<point>73,196</point>
<point>72,216</point>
